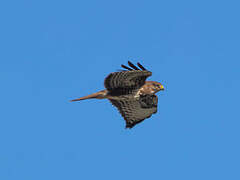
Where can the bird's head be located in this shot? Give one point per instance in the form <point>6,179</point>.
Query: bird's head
<point>156,86</point>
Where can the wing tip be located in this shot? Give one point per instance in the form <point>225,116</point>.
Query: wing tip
<point>129,126</point>
<point>141,66</point>
<point>132,67</point>
<point>125,67</point>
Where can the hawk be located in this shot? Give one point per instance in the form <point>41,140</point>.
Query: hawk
<point>129,91</point>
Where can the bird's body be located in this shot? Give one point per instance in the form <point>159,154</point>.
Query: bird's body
<point>147,88</point>
<point>133,96</point>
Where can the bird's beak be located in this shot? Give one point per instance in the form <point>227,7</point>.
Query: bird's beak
<point>161,87</point>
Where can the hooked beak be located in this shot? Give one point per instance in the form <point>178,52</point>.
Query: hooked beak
<point>161,87</point>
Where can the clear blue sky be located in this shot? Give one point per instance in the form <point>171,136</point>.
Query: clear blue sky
<point>53,51</point>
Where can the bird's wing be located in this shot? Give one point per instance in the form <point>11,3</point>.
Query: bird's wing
<point>135,110</point>
<point>126,81</point>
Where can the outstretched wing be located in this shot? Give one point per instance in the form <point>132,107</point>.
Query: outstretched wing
<point>136,110</point>
<point>127,81</point>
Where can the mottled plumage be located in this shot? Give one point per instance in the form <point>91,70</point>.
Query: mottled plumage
<point>129,91</point>
<point>135,110</point>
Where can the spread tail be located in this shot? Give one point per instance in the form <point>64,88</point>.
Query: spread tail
<point>98,95</point>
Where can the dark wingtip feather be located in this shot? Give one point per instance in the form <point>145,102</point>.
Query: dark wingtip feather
<point>132,65</point>
<point>129,126</point>
<point>123,66</point>
<point>143,68</point>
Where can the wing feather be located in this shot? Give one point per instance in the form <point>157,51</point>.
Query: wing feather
<point>126,67</point>
<point>133,66</point>
<point>139,65</point>
<point>135,110</point>
<point>126,82</point>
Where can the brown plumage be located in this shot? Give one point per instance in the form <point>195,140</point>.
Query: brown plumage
<point>129,91</point>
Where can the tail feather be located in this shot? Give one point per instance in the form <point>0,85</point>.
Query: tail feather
<point>98,95</point>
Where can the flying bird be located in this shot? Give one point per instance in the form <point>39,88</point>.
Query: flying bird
<point>129,91</point>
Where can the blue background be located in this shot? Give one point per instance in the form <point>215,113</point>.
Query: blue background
<point>53,51</point>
